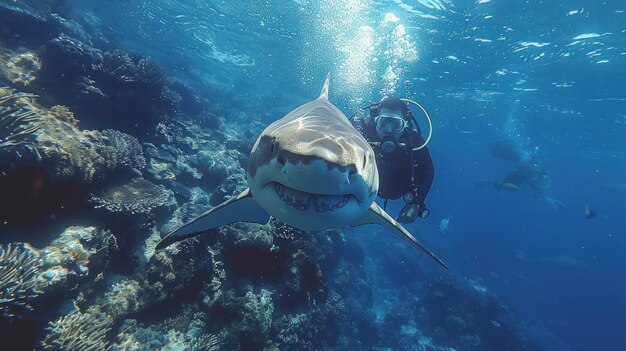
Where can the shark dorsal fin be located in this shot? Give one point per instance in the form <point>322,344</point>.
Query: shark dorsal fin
<point>325,88</point>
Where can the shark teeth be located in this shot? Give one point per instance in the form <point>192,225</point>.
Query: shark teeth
<point>303,201</point>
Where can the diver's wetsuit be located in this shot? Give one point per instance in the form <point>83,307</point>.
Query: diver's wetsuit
<point>394,169</point>
<point>526,176</point>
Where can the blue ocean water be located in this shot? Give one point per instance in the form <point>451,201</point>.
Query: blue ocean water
<point>501,80</point>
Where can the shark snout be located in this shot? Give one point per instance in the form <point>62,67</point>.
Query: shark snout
<point>317,176</point>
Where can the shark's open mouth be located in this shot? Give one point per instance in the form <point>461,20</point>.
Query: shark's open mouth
<point>302,200</point>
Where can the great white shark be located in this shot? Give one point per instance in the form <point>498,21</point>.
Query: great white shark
<point>311,170</point>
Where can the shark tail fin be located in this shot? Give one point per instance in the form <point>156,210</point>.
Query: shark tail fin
<point>325,88</point>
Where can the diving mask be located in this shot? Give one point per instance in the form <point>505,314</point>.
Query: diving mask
<point>390,124</point>
<point>389,128</point>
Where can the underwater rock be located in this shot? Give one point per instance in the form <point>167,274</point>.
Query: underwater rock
<point>136,93</point>
<point>284,231</point>
<point>77,254</point>
<point>162,170</point>
<point>139,196</point>
<point>159,153</point>
<point>217,172</point>
<point>233,185</point>
<point>65,61</point>
<point>197,204</point>
<point>248,313</point>
<point>19,270</point>
<point>186,170</point>
<point>27,21</point>
<point>122,297</point>
<point>180,190</point>
<point>167,273</point>
<point>302,276</point>
<point>189,104</point>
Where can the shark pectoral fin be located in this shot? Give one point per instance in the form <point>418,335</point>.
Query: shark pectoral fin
<point>376,215</point>
<point>240,208</point>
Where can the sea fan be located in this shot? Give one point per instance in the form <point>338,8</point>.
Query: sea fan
<point>79,331</point>
<point>138,196</point>
<point>15,122</point>
<point>19,269</point>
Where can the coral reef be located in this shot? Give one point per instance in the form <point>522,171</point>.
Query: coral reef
<point>19,270</point>
<point>46,161</point>
<point>126,91</point>
<point>100,284</point>
<point>167,336</point>
<point>48,140</point>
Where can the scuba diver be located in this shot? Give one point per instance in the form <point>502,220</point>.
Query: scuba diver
<point>404,164</point>
<point>528,176</point>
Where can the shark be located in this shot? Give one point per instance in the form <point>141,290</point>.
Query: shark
<point>310,169</point>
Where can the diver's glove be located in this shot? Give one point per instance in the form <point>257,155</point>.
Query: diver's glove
<point>410,212</point>
<point>414,208</point>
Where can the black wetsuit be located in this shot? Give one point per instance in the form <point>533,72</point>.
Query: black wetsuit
<point>394,169</point>
<point>526,176</point>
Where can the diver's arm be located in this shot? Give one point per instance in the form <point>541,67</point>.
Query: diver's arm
<point>423,168</point>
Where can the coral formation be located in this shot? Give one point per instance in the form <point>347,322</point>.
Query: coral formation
<point>19,68</point>
<point>128,148</point>
<point>19,270</point>
<point>15,122</point>
<point>126,91</point>
<point>166,337</point>
<point>138,196</point>
<point>72,257</point>
<point>46,161</point>
<point>78,331</point>
<point>52,142</point>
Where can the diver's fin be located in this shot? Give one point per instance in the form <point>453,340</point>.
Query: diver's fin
<point>325,88</point>
<point>376,215</point>
<point>240,208</point>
